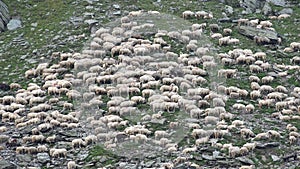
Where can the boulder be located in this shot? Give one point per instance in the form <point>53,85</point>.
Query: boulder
<point>251,32</point>
<point>4,16</point>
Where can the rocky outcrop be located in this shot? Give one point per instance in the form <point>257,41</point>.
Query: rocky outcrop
<point>252,32</point>
<point>4,16</point>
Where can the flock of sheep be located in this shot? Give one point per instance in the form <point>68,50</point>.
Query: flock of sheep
<point>121,71</point>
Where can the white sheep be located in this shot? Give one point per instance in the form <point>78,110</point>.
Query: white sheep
<point>78,143</point>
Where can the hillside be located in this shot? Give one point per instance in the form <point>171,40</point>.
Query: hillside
<point>150,84</point>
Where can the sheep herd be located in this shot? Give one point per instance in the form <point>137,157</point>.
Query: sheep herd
<point>124,82</point>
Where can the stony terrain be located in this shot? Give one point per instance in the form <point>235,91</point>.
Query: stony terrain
<point>187,84</point>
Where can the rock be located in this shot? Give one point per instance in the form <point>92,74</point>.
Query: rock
<point>266,10</point>
<point>149,164</point>
<point>76,20</point>
<point>7,165</point>
<point>117,13</point>
<point>286,11</point>
<point>14,24</point>
<point>277,2</point>
<point>245,160</point>
<point>116,6</point>
<point>207,157</point>
<point>91,21</point>
<point>43,157</point>
<point>275,158</point>
<point>4,16</point>
<point>251,32</point>
<point>23,158</point>
<point>250,6</point>
<point>267,145</point>
<point>3,138</point>
<point>228,9</point>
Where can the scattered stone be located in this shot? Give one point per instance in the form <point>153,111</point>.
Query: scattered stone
<point>207,157</point>
<point>267,145</point>
<point>266,10</point>
<point>24,158</point>
<point>43,157</point>
<point>7,165</point>
<point>117,13</point>
<point>228,9</point>
<point>251,5</point>
<point>245,160</point>
<point>286,11</point>
<point>277,2</point>
<point>14,24</point>
<point>275,158</point>
<point>116,6</point>
<point>91,21</point>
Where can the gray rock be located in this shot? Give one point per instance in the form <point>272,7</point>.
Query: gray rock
<point>76,20</point>
<point>4,15</point>
<point>277,2</point>
<point>3,138</point>
<point>116,6</point>
<point>14,24</point>
<point>7,165</point>
<point>250,6</point>
<point>117,13</point>
<point>43,157</point>
<point>266,10</point>
<point>91,21</point>
<point>149,163</point>
<point>25,158</point>
<point>267,145</point>
<point>228,9</point>
<point>275,158</point>
<point>286,11</point>
<point>207,157</point>
<point>245,160</point>
<point>251,32</point>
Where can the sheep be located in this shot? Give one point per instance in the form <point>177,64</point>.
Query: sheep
<point>292,139</point>
<point>224,40</point>
<point>227,31</point>
<point>290,127</point>
<point>262,136</point>
<point>247,132</point>
<point>267,79</point>
<point>295,46</point>
<point>56,153</point>
<point>78,143</point>
<point>71,165</point>
<point>90,139</point>
<point>187,14</point>
<point>189,149</point>
<point>255,69</point>
<point>211,120</point>
<point>250,108</point>
<point>3,129</point>
<point>273,134</point>
<point>234,151</point>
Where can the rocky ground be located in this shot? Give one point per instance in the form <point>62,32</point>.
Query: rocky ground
<point>64,69</point>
